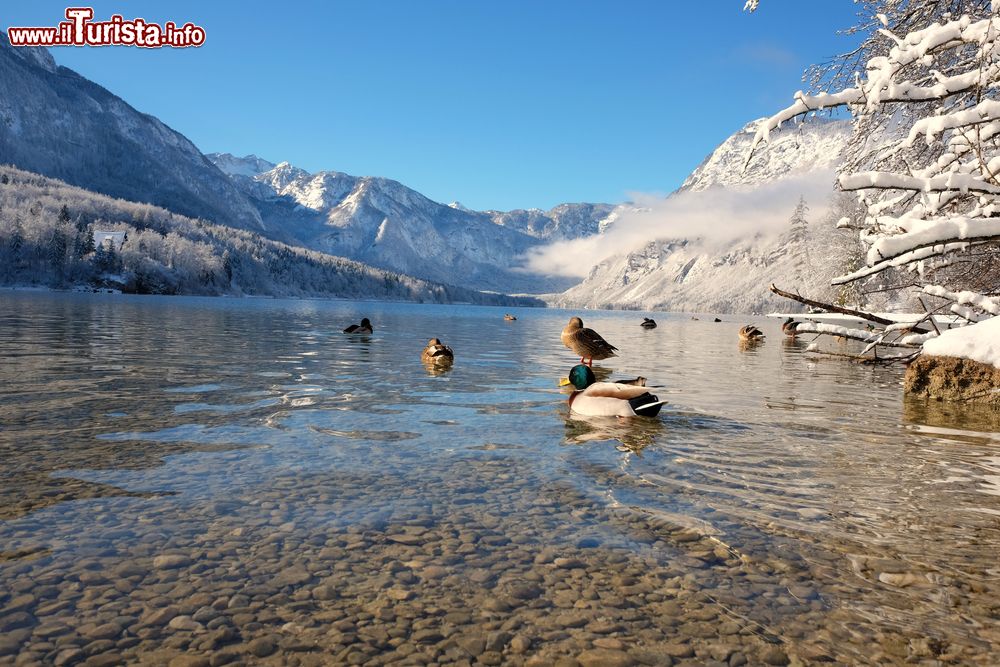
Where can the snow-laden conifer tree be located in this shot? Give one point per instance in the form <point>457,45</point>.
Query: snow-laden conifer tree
<point>799,240</point>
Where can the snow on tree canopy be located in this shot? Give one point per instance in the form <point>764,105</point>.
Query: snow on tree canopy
<point>928,174</point>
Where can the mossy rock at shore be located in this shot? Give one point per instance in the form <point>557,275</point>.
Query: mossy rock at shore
<point>953,379</point>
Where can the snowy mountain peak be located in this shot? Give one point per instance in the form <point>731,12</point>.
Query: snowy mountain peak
<point>248,165</point>
<point>794,149</point>
<point>457,205</point>
<point>281,176</point>
<point>669,262</point>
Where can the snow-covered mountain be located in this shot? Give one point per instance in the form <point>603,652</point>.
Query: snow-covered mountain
<point>44,224</point>
<point>566,221</point>
<point>248,166</point>
<point>383,223</point>
<point>708,270</point>
<point>57,123</point>
<point>813,146</point>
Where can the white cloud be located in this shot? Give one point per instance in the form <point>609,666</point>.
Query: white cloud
<point>714,217</point>
<point>767,55</point>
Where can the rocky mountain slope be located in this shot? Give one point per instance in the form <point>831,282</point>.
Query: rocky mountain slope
<point>813,146</point>
<point>708,270</point>
<point>56,123</point>
<point>384,223</point>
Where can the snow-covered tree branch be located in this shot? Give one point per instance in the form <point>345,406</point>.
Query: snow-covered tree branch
<point>925,156</point>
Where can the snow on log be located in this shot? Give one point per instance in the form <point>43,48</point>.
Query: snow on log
<point>863,335</point>
<point>906,258</point>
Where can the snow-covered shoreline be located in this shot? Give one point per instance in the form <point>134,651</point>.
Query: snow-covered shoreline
<point>978,342</point>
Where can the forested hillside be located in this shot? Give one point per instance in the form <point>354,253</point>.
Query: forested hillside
<point>47,238</point>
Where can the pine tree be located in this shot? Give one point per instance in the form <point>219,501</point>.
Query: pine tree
<point>58,245</point>
<point>227,265</point>
<point>89,245</point>
<point>83,243</point>
<point>800,240</point>
<point>16,240</point>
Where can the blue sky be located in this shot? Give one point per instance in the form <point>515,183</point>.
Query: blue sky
<point>501,105</point>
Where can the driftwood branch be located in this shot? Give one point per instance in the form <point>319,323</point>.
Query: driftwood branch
<point>830,308</point>
<point>857,358</point>
<point>877,340</point>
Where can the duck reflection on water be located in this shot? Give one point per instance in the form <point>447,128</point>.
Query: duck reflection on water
<point>632,435</point>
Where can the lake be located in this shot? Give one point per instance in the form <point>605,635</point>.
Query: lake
<point>194,481</point>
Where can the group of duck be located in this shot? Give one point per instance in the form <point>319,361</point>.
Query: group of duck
<point>435,354</point>
<point>751,334</point>
<point>624,398</point>
<point>627,398</point>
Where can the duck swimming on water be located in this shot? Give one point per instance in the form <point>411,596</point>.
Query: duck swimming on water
<point>437,352</point>
<point>648,323</point>
<point>364,328</point>
<point>609,399</point>
<point>790,327</point>
<point>750,333</point>
<point>586,342</point>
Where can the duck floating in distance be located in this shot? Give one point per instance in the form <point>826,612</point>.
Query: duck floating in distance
<point>609,399</point>
<point>509,317</point>
<point>586,342</point>
<point>437,352</point>
<point>648,323</point>
<point>364,328</point>
<point>750,333</point>
<point>790,327</point>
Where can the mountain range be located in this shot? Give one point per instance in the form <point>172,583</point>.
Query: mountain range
<point>56,123</point>
<point>383,223</point>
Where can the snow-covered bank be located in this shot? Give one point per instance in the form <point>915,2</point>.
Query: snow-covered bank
<point>979,342</point>
<point>962,364</point>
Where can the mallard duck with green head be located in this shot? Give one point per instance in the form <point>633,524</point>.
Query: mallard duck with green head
<point>609,399</point>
